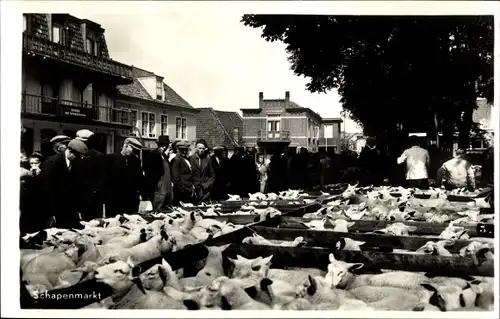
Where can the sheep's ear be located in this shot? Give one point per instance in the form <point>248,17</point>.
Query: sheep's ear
<point>166,265</point>
<point>360,243</point>
<point>447,242</point>
<point>234,261</point>
<point>135,272</point>
<point>331,257</point>
<point>350,224</point>
<point>411,228</point>
<point>223,247</point>
<point>265,283</point>
<point>429,287</point>
<point>266,260</point>
<point>84,223</point>
<point>191,304</point>
<point>162,274</point>
<point>339,245</point>
<point>356,266</point>
<point>251,291</point>
<point>164,234</point>
<point>130,262</point>
<point>191,215</point>
<point>311,290</point>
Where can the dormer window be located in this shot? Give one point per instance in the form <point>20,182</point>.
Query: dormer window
<point>56,32</point>
<point>159,90</point>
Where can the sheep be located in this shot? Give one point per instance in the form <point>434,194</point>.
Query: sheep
<point>388,298</point>
<point>473,248</point>
<point>346,243</point>
<point>454,232</point>
<point>354,214</point>
<point>127,291</point>
<point>340,276</point>
<point>396,229</point>
<point>29,254</point>
<point>433,248</point>
<point>245,268</point>
<point>46,268</point>
<point>213,265</point>
<point>159,277</point>
<point>135,238</point>
<point>315,224</point>
<point>341,225</point>
<point>233,297</point>
<point>316,290</point>
<point>153,248</point>
<point>259,240</point>
<point>450,297</point>
<point>71,277</point>
<point>190,221</point>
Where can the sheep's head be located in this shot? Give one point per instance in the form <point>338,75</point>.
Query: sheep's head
<point>454,232</point>
<point>244,268</point>
<point>348,244</point>
<point>36,289</point>
<point>308,287</point>
<point>451,297</point>
<point>433,248</point>
<point>155,278</point>
<point>134,219</point>
<point>164,243</point>
<point>341,224</point>
<point>81,245</point>
<point>118,275</point>
<point>396,229</point>
<point>470,249</point>
<point>216,251</point>
<point>339,272</point>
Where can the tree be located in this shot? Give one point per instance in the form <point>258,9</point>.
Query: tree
<point>394,74</point>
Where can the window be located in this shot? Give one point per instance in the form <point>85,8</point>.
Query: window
<point>164,124</point>
<point>273,126</point>
<point>159,90</point>
<point>236,134</point>
<point>148,124</point>
<point>91,46</point>
<point>25,23</point>
<point>180,128</point>
<point>56,32</point>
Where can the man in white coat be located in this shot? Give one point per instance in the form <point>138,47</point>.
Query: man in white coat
<point>417,163</point>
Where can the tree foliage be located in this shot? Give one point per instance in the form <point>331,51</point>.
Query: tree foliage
<point>394,74</point>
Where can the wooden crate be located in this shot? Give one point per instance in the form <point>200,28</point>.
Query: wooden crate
<point>281,205</point>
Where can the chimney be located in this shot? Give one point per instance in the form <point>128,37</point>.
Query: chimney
<point>261,99</point>
<point>287,98</point>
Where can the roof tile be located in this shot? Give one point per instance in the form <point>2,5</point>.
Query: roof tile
<point>217,127</point>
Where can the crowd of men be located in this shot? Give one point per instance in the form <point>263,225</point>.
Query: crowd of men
<point>79,183</point>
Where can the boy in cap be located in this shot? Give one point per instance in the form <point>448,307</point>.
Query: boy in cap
<point>157,174</point>
<point>124,179</point>
<point>92,177</point>
<point>184,190</point>
<point>60,186</point>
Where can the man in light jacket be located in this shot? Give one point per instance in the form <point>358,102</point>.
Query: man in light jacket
<point>417,163</point>
<point>457,173</point>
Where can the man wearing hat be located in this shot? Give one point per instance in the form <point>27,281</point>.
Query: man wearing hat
<point>92,177</point>
<point>182,178</point>
<point>60,188</point>
<point>60,143</point>
<point>157,174</point>
<point>220,164</point>
<point>124,180</point>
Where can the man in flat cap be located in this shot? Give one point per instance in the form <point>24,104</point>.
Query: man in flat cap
<point>182,178</point>
<point>92,177</point>
<point>202,171</point>
<point>60,143</point>
<point>124,179</point>
<point>60,187</point>
<point>157,174</point>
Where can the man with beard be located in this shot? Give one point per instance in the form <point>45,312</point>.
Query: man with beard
<point>59,184</point>
<point>91,177</point>
<point>182,178</point>
<point>124,179</point>
<point>202,171</point>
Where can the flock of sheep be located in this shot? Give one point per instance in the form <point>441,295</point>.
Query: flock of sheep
<point>111,251</point>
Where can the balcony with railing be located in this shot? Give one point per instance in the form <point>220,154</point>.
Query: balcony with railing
<point>35,45</point>
<point>273,136</point>
<point>69,111</point>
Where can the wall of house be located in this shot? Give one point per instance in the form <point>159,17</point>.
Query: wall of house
<point>158,110</point>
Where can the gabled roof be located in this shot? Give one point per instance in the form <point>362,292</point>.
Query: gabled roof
<point>137,90</point>
<point>217,127</point>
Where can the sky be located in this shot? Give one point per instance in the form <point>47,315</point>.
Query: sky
<point>210,58</point>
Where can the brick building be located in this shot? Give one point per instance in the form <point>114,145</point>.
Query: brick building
<point>155,109</point>
<point>219,128</point>
<point>278,123</point>
<point>69,82</point>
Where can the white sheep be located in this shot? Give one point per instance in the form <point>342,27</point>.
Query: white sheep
<point>450,297</point>
<point>396,229</point>
<point>389,298</point>
<point>234,297</point>
<point>436,248</point>
<point>213,266</point>
<point>127,291</point>
<point>153,248</point>
<point>454,232</point>
<point>316,224</point>
<point>346,243</point>
<point>341,225</point>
